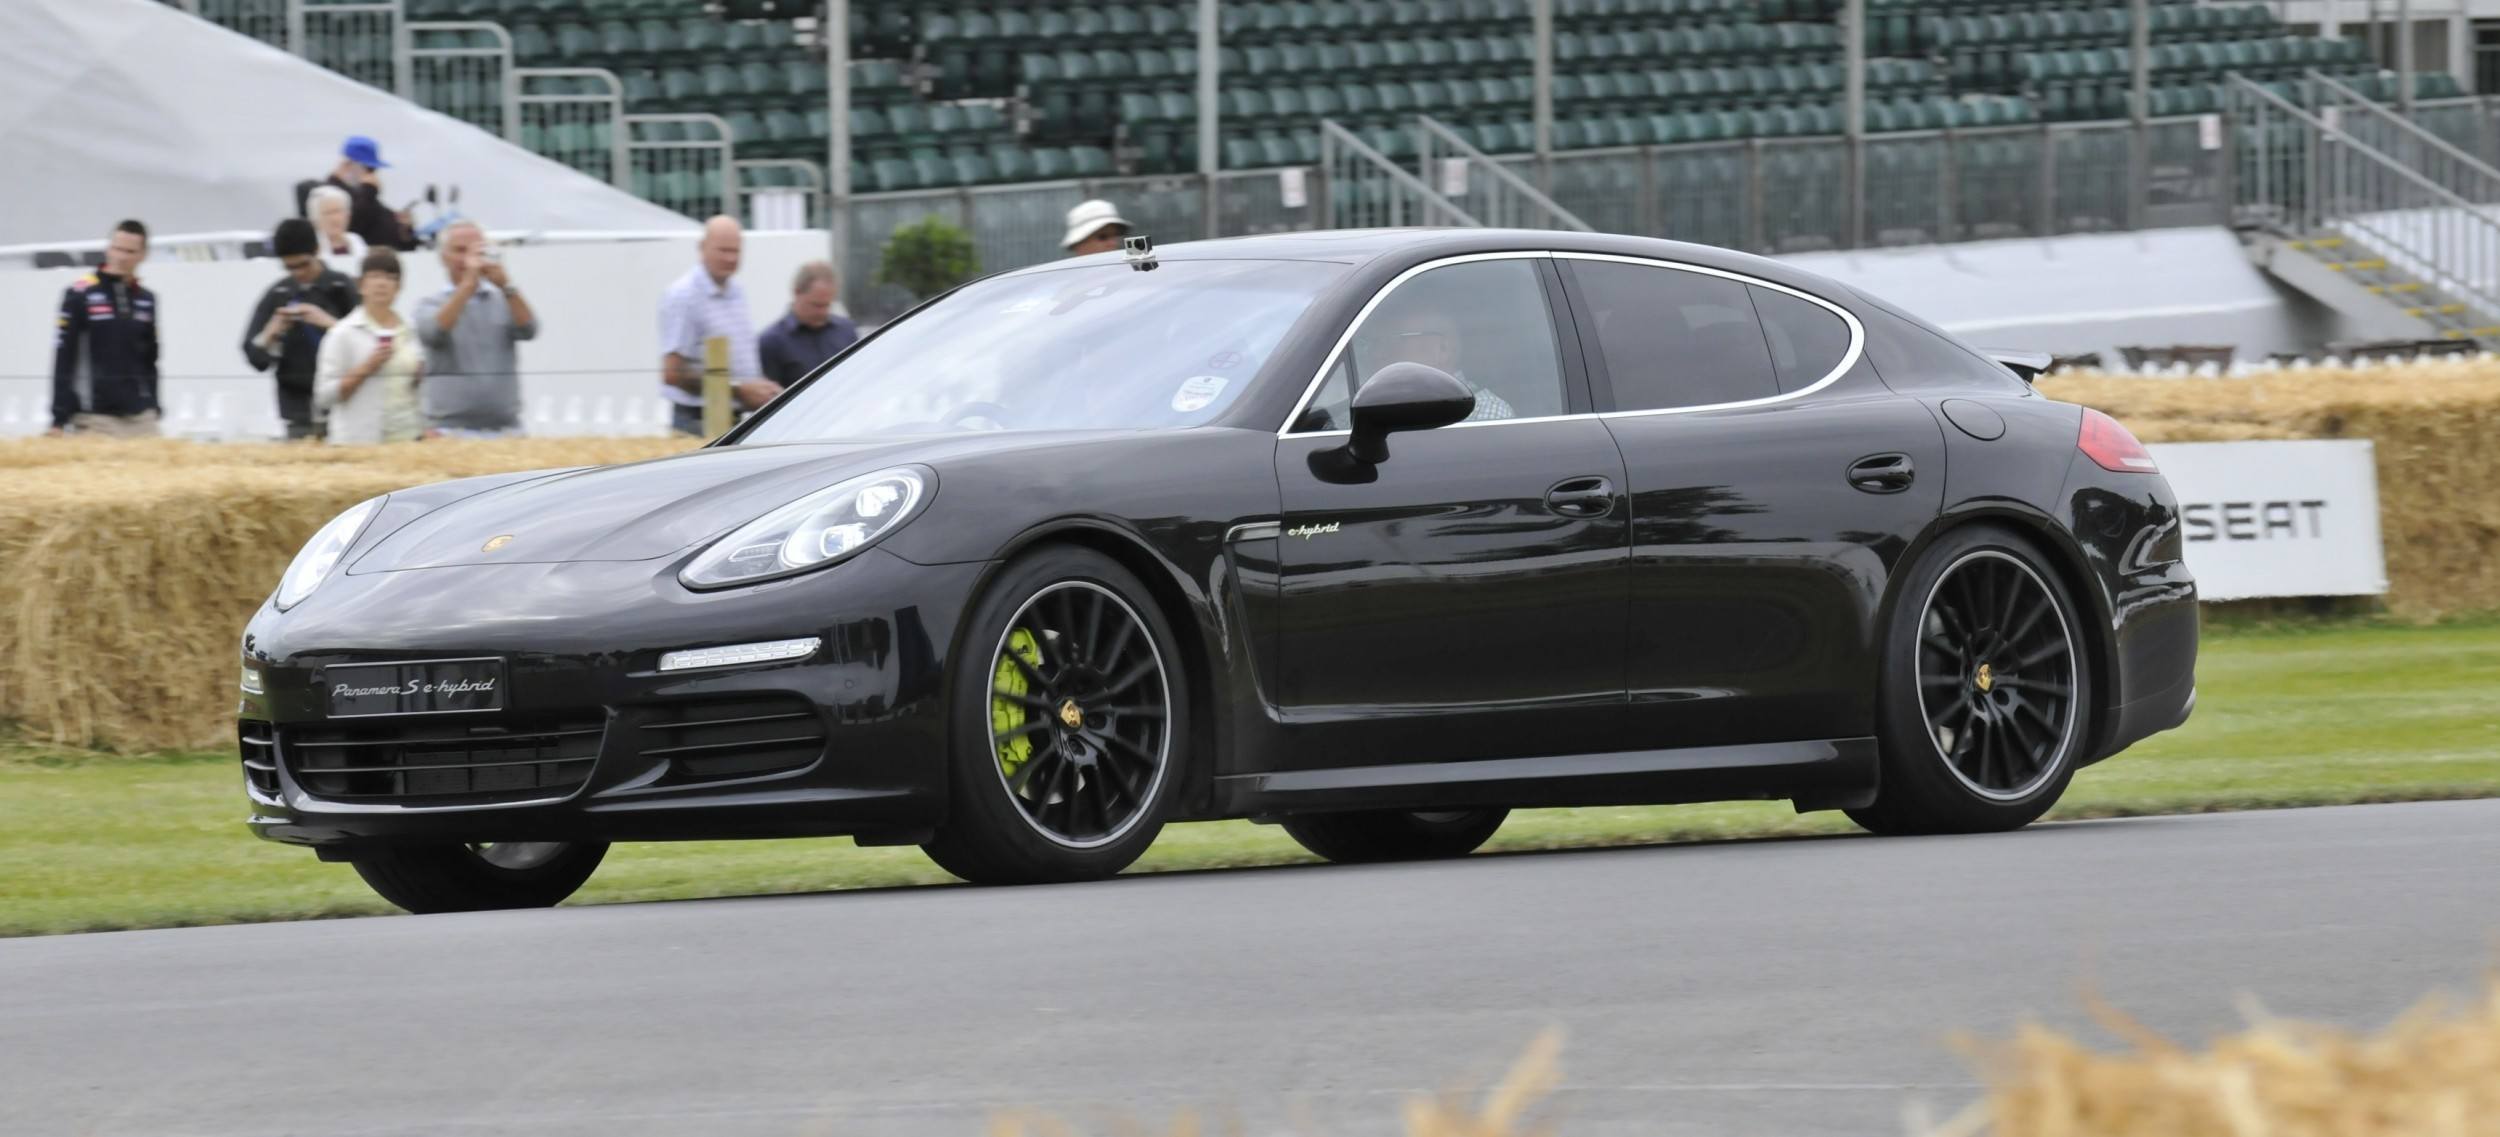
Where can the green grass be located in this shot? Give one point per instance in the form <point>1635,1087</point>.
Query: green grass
<point>2303,714</point>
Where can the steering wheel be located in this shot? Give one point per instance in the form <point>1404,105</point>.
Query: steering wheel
<point>956,418</point>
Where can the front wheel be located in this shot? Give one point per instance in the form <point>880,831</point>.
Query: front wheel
<point>478,877</point>
<point>1986,692</point>
<point>1071,723</point>
<point>1394,834</point>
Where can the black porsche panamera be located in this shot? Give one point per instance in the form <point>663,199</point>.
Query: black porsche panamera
<point>1376,535</point>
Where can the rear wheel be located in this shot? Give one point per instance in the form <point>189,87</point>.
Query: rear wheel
<point>1394,834</point>
<point>478,877</point>
<point>1986,690</point>
<point>1071,723</point>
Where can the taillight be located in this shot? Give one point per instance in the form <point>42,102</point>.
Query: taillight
<point>2109,444</point>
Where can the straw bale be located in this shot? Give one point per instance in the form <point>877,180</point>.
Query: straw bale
<point>2435,428</point>
<point>128,568</point>
<point>2434,1073</point>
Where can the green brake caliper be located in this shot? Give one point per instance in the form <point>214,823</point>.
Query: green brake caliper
<point>1007,714</point>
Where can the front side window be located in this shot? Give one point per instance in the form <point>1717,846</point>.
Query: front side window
<point>1672,338</point>
<point>1485,322</point>
<point>1099,347</point>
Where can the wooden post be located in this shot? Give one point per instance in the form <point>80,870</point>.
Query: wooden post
<point>719,414</point>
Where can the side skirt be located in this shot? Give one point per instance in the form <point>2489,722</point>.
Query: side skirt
<point>1821,774</point>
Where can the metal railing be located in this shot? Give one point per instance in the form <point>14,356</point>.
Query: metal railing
<point>268,21</point>
<point>2307,176</point>
<point>464,70</point>
<point>575,116</point>
<point>1487,189</point>
<point>1362,188</point>
<point>682,161</point>
<point>361,39</point>
<point>780,193</point>
<point>2434,140</point>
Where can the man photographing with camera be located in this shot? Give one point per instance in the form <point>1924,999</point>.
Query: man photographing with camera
<point>286,327</point>
<point>472,331</point>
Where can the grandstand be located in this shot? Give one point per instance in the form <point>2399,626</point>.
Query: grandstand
<point>1723,121</point>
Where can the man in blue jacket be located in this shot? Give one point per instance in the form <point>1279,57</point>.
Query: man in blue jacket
<point>104,346</point>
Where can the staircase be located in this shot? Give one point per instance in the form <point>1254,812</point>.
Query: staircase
<point>2363,210</point>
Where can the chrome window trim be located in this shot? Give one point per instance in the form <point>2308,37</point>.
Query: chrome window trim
<point>1848,360</point>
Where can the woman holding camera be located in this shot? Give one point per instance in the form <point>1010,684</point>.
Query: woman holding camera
<point>371,364</point>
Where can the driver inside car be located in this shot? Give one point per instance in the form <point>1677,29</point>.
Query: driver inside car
<point>1428,336</point>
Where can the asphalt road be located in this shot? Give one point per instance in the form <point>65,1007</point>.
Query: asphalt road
<point>1791,987</point>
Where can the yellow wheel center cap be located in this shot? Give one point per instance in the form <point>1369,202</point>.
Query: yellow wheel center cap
<point>1985,679</point>
<point>1071,715</point>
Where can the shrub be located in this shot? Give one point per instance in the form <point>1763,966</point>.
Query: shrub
<point>928,257</point>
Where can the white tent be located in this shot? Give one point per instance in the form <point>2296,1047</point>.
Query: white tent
<point>131,108</point>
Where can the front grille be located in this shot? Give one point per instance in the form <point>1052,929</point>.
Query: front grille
<point>433,762</point>
<point>259,744</point>
<point>731,738</point>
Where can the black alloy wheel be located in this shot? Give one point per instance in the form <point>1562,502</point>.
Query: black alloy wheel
<point>1079,678</point>
<point>1073,723</point>
<point>425,878</point>
<point>1996,675</point>
<point>1986,690</point>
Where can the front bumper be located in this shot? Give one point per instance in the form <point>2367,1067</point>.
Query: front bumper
<point>593,741</point>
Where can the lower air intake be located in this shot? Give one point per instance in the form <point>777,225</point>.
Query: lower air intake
<point>441,763</point>
<point>718,739</point>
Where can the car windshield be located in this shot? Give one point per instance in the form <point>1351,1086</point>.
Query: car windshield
<point>1095,347</point>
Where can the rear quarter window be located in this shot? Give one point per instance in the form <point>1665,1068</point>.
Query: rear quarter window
<point>1910,357</point>
<point>1807,340</point>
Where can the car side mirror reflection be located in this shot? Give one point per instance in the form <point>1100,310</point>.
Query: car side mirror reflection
<point>1404,396</point>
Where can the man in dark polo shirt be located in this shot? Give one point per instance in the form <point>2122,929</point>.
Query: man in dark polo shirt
<point>811,333</point>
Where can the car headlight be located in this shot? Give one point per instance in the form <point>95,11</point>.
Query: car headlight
<point>814,531</point>
<point>322,553</point>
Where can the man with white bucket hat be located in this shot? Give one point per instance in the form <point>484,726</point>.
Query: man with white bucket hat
<point>1094,227</point>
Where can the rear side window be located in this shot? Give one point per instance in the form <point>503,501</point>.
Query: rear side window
<point>1807,340</point>
<point>1672,338</point>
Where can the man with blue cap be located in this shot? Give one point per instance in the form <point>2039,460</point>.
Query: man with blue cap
<point>360,160</point>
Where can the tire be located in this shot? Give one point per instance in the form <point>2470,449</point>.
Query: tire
<point>1982,717</point>
<point>1062,632</point>
<point>476,878</point>
<point>1394,834</point>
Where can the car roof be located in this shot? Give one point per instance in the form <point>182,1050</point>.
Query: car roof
<point>1409,246</point>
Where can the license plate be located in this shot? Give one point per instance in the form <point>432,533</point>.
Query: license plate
<point>416,687</point>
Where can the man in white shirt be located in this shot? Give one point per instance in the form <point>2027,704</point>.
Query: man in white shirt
<point>704,303</point>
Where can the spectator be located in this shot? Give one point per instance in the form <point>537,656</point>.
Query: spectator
<point>371,365</point>
<point>286,328</point>
<point>471,329</point>
<point>104,346</point>
<point>359,176</point>
<point>1094,227</point>
<point>705,303</point>
<point>329,207</point>
<point>811,333</point>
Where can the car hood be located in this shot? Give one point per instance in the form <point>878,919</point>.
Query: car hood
<point>645,510</point>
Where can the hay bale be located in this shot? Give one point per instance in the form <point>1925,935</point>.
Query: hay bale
<point>2433,426</point>
<point>2435,1071</point>
<point>128,569</point>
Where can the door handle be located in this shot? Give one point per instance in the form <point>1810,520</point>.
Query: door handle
<point>1882,473</point>
<point>1582,497</point>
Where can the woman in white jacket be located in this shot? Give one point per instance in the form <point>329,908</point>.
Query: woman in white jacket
<point>371,363</point>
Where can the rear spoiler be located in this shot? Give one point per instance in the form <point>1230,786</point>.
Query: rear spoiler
<point>2027,364</point>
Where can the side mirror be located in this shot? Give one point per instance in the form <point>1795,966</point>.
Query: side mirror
<point>1405,396</point>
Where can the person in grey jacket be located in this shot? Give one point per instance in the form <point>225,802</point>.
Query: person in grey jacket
<point>471,330</point>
